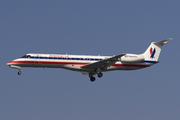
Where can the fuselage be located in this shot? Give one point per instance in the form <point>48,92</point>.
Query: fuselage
<point>91,65</point>
<point>72,62</point>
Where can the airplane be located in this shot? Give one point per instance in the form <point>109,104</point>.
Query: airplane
<point>91,65</point>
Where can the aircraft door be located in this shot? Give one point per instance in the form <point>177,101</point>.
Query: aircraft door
<point>88,60</point>
<point>36,59</point>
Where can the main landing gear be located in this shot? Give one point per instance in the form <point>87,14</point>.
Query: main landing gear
<point>92,78</point>
<point>100,75</point>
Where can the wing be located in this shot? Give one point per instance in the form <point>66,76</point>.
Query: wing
<point>103,64</point>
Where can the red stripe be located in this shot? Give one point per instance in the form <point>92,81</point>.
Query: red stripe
<point>42,62</point>
<point>75,63</point>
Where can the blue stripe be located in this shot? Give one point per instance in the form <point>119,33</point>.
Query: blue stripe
<point>146,61</point>
<point>62,58</point>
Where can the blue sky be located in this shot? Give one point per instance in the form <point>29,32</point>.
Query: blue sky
<point>89,28</point>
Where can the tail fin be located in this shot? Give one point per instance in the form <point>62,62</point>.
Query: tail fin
<point>153,51</point>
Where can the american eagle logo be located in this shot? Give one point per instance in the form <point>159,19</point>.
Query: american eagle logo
<point>152,52</point>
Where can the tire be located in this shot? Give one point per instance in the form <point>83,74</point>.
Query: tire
<point>19,73</point>
<point>100,75</point>
<point>92,79</point>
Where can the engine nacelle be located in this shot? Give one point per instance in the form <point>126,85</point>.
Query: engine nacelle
<point>132,58</point>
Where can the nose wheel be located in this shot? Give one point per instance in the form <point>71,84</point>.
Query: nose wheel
<point>19,73</point>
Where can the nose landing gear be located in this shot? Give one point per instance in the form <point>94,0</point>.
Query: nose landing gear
<point>16,67</point>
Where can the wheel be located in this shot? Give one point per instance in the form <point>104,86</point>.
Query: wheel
<point>92,79</point>
<point>19,73</point>
<point>100,75</point>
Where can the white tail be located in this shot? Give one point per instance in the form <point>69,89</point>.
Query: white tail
<point>153,51</point>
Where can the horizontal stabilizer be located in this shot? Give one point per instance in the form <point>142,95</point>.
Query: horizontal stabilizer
<point>161,43</point>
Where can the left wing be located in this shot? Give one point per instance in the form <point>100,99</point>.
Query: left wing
<point>103,64</point>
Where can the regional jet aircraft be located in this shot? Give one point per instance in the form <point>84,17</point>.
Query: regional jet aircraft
<point>91,65</point>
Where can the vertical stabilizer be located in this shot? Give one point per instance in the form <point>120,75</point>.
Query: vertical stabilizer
<point>153,51</point>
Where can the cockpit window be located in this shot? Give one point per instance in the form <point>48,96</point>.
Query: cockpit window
<point>26,56</point>
<point>23,56</point>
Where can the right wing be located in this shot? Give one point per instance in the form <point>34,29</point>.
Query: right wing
<point>103,64</point>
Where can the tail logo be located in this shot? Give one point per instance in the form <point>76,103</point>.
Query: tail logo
<point>152,52</point>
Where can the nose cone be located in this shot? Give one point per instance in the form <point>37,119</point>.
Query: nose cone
<point>9,63</point>
<point>13,62</point>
